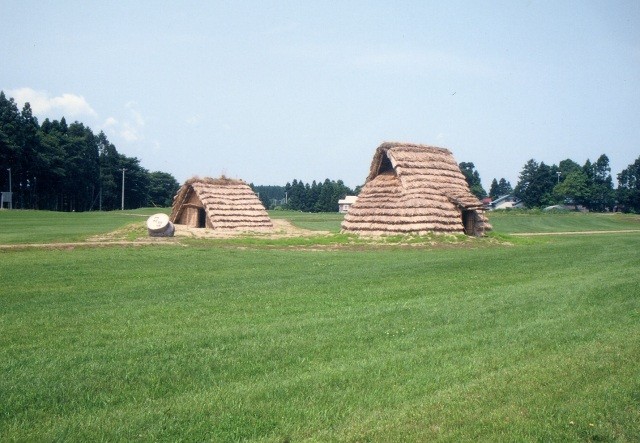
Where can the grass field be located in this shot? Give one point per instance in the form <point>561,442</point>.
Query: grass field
<point>314,221</point>
<point>528,221</point>
<point>18,227</point>
<point>536,340</point>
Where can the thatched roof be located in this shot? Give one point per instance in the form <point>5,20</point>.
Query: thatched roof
<point>219,203</point>
<point>414,189</point>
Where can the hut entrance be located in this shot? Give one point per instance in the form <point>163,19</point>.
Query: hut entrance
<point>469,222</point>
<point>202,218</point>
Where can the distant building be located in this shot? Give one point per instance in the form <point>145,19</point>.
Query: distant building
<point>505,202</point>
<point>6,197</point>
<point>345,203</point>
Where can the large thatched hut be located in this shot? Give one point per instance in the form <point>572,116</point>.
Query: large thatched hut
<point>415,189</point>
<point>219,203</point>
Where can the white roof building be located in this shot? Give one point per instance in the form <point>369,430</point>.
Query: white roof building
<point>345,203</point>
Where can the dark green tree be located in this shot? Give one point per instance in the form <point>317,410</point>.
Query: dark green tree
<point>57,166</point>
<point>51,171</point>
<point>162,187</point>
<point>535,184</point>
<point>136,187</point>
<point>500,188</point>
<point>505,187</point>
<point>10,149</point>
<point>270,196</point>
<point>110,174</point>
<point>29,158</point>
<point>629,188</point>
<point>566,167</point>
<point>325,199</point>
<point>317,197</point>
<point>525,189</point>
<point>573,189</point>
<point>314,195</point>
<point>340,190</point>
<point>602,194</point>
<point>473,179</point>
<point>82,185</point>
<point>494,190</point>
<point>295,194</point>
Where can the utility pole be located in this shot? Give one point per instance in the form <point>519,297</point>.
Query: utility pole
<point>559,174</point>
<point>122,207</point>
<point>10,191</point>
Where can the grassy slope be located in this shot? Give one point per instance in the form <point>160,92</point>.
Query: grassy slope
<point>502,221</point>
<point>531,342</point>
<point>49,227</point>
<point>321,221</point>
<point>533,221</point>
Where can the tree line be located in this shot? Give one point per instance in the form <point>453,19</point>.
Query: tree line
<point>590,185</point>
<point>66,167</point>
<point>567,183</point>
<point>307,197</point>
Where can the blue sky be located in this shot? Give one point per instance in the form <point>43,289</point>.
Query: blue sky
<point>271,91</point>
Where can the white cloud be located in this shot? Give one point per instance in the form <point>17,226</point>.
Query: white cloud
<point>44,105</point>
<point>130,127</point>
<point>194,120</point>
<point>130,133</point>
<point>134,113</point>
<point>110,122</point>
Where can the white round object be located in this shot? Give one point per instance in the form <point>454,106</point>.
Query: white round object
<point>157,222</point>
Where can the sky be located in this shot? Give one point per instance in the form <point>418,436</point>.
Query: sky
<point>272,91</point>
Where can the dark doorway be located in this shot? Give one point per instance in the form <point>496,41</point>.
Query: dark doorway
<point>469,222</point>
<point>202,218</point>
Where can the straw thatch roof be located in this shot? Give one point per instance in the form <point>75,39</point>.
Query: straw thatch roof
<point>415,189</point>
<point>219,203</point>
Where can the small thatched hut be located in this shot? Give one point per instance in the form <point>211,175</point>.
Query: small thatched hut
<point>219,203</point>
<point>415,189</point>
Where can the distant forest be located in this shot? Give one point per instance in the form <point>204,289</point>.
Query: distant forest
<point>66,167</point>
<point>300,196</point>
<point>568,183</point>
<point>589,185</point>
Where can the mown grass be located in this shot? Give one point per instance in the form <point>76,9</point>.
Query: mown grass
<point>539,221</point>
<point>504,222</point>
<point>538,341</point>
<point>315,221</point>
<point>20,226</point>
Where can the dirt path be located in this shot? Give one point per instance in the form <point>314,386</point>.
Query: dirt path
<point>621,231</point>
<point>281,229</point>
<point>90,244</point>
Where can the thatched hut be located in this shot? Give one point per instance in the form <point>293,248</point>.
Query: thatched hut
<point>415,189</point>
<point>219,203</point>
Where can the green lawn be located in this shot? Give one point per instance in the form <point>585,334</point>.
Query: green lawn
<point>539,221</point>
<point>534,341</point>
<point>48,227</point>
<point>316,221</point>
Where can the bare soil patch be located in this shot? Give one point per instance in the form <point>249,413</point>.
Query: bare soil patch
<point>281,229</point>
<point>135,235</point>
